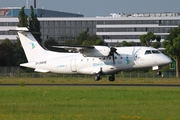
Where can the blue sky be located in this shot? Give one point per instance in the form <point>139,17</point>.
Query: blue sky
<point>92,8</point>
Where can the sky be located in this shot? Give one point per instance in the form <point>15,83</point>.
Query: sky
<point>92,8</point>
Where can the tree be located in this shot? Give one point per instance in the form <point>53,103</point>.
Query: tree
<point>34,26</point>
<point>6,53</point>
<point>143,39</point>
<point>19,55</point>
<point>125,43</point>
<point>158,38</point>
<point>70,42</point>
<point>85,39</point>
<point>146,39</point>
<point>156,44</point>
<point>81,37</point>
<point>93,40</point>
<point>23,18</point>
<point>50,42</point>
<point>99,42</point>
<point>172,46</point>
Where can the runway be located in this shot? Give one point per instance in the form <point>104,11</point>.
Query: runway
<point>97,85</point>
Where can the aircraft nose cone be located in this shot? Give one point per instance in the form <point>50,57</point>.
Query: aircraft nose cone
<point>167,60</point>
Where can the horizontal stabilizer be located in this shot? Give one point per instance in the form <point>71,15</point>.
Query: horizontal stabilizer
<point>31,65</point>
<point>19,29</point>
<point>41,70</point>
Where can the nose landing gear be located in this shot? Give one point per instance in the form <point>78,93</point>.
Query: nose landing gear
<point>159,73</point>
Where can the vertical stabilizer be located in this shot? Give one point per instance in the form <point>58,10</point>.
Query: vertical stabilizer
<point>31,47</point>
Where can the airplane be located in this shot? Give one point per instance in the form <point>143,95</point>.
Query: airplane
<point>93,60</point>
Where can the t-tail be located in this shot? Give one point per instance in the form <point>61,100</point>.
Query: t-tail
<point>31,47</point>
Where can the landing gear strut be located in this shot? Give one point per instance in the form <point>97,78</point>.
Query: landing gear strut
<point>111,78</point>
<point>159,73</point>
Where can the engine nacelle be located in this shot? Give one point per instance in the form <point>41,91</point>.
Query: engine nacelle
<point>98,51</point>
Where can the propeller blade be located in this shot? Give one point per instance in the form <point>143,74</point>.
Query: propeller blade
<point>112,53</point>
<point>113,50</point>
<point>113,58</point>
<point>117,53</point>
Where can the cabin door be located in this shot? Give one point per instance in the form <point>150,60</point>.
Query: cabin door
<point>73,65</point>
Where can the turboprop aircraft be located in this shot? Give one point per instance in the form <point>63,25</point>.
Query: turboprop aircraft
<point>94,60</point>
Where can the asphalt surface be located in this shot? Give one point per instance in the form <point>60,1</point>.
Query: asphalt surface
<point>98,85</point>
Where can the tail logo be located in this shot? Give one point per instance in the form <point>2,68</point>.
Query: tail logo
<point>32,45</point>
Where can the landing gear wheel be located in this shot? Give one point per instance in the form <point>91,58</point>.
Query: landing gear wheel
<point>97,77</point>
<point>159,72</point>
<point>111,78</point>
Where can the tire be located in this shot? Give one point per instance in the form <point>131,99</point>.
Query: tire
<point>97,78</point>
<point>111,78</point>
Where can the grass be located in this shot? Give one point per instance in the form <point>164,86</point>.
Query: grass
<point>87,103</point>
<point>88,80</point>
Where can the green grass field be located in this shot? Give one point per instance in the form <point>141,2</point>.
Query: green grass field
<point>88,80</point>
<point>89,103</point>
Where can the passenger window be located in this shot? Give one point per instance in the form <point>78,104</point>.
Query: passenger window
<point>147,52</point>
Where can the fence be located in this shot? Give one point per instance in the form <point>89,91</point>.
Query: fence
<point>23,72</point>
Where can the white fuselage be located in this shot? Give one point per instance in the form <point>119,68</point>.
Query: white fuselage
<point>76,63</point>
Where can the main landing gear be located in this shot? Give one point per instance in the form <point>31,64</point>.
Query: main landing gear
<point>111,78</point>
<point>97,77</point>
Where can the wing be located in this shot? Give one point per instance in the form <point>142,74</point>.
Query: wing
<point>88,51</point>
<point>74,48</point>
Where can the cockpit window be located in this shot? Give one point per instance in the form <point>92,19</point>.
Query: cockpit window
<point>148,52</point>
<point>152,52</point>
<point>156,52</point>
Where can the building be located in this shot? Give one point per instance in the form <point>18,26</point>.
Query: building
<point>14,12</point>
<point>119,27</point>
<point>9,20</point>
<point>112,29</point>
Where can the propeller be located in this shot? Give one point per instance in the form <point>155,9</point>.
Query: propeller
<point>112,53</point>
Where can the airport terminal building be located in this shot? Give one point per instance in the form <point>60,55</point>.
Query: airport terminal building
<point>112,29</point>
